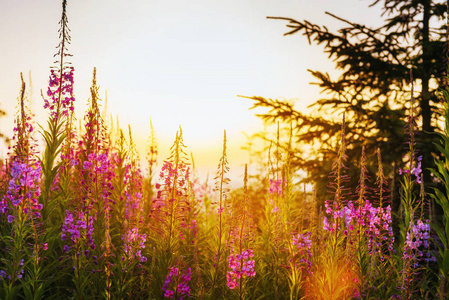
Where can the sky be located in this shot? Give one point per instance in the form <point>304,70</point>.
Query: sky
<point>176,62</point>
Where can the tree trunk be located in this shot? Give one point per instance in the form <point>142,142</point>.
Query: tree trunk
<point>426,112</point>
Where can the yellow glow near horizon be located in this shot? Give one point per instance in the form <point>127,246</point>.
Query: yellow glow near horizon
<point>176,62</point>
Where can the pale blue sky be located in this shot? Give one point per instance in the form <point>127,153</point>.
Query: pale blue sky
<point>178,62</point>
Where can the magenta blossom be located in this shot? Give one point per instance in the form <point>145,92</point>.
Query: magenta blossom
<point>23,190</point>
<point>241,265</point>
<point>60,95</point>
<point>176,284</point>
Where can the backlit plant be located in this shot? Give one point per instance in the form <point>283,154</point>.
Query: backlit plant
<point>86,219</point>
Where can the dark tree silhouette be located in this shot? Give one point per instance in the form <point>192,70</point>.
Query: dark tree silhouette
<point>373,88</point>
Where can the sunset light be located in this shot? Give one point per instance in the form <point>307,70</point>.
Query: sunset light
<point>256,149</point>
<point>178,63</point>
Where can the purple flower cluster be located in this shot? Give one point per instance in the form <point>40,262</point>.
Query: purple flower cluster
<point>241,265</point>
<point>176,284</point>
<point>133,202</point>
<point>379,226</point>
<point>417,243</point>
<point>374,222</point>
<point>18,274</point>
<point>60,95</point>
<point>99,169</point>
<point>23,190</point>
<point>168,175</point>
<point>134,243</point>
<point>275,190</point>
<point>78,226</point>
<point>337,214</point>
<point>169,172</point>
<point>97,164</point>
<point>303,244</point>
<point>133,192</point>
<point>192,227</point>
<point>416,170</point>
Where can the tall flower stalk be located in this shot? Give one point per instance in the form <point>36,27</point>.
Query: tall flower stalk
<point>20,204</point>
<point>221,183</point>
<point>241,264</point>
<point>60,102</point>
<point>132,231</point>
<point>88,207</point>
<point>441,196</point>
<point>335,207</point>
<point>171,207</point>
<point>414,230</point>
<point>152,152</point>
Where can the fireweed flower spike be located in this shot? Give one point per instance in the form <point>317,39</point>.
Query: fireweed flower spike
<point>59,100</point>
<point>415,234</point>
<point>415,170</point>
<point>274,191</point>
<point>365,219</point>
<point>60,94</point>
<point>221,186</point>
<point>78,219</point>
<point>417,243</point>
<point>60,89</point>
<point>134,239</point>
<point>172,210</point>
<point>86,222</point>
<point>303,245</point>
<point>334,207</point>
<point>240,265</point>
<point>23,189</point>
<point>176,285</point>
<point>21,207</point>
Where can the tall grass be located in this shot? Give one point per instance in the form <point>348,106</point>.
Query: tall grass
<point>83,220</point>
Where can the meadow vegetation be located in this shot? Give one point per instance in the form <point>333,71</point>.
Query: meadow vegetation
<point>82,219</point>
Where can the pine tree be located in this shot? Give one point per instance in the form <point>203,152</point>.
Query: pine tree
<point>377,67</point>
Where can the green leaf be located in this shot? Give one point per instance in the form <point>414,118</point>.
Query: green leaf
<point>445,263</point>
<point>441,235</point>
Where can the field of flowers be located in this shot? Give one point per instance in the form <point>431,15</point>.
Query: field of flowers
<point>82,220</point>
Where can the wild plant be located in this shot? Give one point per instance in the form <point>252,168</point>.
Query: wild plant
<point>152,152</point>
<point>297,246</point>
<point>280,256</point>
<point>385,240</point>
<point>60,102</point>
<point>441,196</point>
<point>271,251</point>
<point>176,285</point>
<point>241,264</point>
<point>133,218</point>
<point>329,279</point>
<point>119,157</point>
<point>221,229</point>
<point>128,268</point>
<point>23,244</point>
<point>335,208</point>
<point>189,226</point>
<point>414,233</point>
<point>88,208</point>
<point>332,279</point>
<point>381,236</point>
<point>365,234</point>
<point>171,208</point>
<point>85,222</point>
<point>58,137</point>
